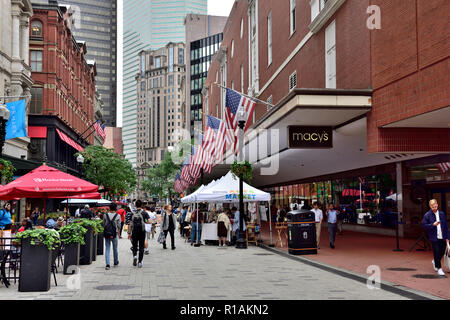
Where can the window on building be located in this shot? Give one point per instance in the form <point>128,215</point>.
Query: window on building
<point>292,16</point>
<point>171,59</point>
<point>242,28</point>
<point>269,38</point>
<point>36,28</point>
<point>242,78</point>
<point>330,55</point>
<point>316,7</point>
<point>180,56</point>
<point>171,81</point>
<point>143,86</point>
<point>36,60</point>
<point>293,81</point>
<point>36,101</point>
<point>232,48</point>
<point>254,46</point>
<point>158,62</point>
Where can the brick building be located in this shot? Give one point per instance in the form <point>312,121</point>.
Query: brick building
<point>374,72</point>
<point>63,94</point>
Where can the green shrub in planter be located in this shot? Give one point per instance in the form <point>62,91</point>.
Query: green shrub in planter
<point>72,233</point>
<point>87,249</point>
<point>72,236</point>
<point>47,237</point>
<point>35,260</point>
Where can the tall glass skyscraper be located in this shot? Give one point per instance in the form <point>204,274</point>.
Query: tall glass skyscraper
<point>148,25</point>
<point>95,22</point>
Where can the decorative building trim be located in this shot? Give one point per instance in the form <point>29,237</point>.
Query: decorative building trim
<point>331,6</point>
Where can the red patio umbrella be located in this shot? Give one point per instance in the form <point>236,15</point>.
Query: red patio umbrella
<point>46,182</point>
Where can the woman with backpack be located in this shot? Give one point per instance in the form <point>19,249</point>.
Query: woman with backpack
<point>136,232</point>
<point>168,225</point>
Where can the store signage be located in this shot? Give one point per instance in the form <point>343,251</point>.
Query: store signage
<point>306,137</point>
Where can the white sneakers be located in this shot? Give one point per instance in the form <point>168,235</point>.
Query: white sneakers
<point>435,269</point>
<point>441,272</point>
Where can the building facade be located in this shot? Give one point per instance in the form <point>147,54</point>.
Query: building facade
<point>95,22</point>
<point>376,82</point>
<point>63,94</point>
<point>15,72</point>
<point>148,25</point>
<point>114,139</point>
<point>160,114</point>
<point>203,39</point>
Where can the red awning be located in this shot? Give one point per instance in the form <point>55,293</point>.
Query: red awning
<point>37,132</point>
<point>69,141</point>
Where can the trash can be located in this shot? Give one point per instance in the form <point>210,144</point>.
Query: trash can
<point>301,229</point>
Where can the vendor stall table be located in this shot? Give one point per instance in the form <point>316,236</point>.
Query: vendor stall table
<point>209,232</point>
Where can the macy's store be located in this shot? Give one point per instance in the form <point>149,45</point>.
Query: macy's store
<point>312,146</point>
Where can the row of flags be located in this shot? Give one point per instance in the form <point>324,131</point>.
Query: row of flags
<point>218,136</point>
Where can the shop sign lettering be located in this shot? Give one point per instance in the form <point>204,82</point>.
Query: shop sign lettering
<point>306,137</point>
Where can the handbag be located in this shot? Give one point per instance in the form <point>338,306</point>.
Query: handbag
<point>161,237</point>
<point>447,257</point>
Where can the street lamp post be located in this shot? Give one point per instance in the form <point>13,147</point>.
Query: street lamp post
<point>241,117</point>
<point>80,160</point>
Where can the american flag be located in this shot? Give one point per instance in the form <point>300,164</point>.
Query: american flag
<point>444,166</point>
<point>177,184</point>
<point>185,170</point>
<point>196,162</point>
<point>235,100</point>
<point>209,147</point>
<point>100,129</point>
<point>220,129</point>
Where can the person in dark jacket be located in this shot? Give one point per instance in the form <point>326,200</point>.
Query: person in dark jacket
<point>435,223</point>
<point>86,213</point>
<point>168,225</point>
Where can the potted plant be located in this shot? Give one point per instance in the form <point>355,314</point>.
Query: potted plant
<point>100,237</point>
<point>72,236</point>
<point>35,260</point>
<point>243,169</point>
<point>87,248</point>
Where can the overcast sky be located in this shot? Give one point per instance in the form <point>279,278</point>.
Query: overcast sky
<point>215,8</point>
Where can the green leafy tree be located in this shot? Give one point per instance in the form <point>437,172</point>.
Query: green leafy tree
<point>107,169</point>
<point>160,179</point>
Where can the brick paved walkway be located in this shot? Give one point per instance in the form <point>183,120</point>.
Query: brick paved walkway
<point>204,273</point>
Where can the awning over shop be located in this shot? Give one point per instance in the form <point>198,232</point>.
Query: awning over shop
<point>69,141</point>
<point>37,132</point>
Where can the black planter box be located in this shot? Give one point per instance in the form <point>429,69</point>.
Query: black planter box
<point>94,248</point>
<point>71,257</point>
<point>100,244</point>
<point>86,249</point>
<point>35,264</point>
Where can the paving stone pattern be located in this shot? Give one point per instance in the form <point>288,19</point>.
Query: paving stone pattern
<point>203,273</point>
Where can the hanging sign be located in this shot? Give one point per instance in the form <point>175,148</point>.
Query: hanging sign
<point>307,137</point>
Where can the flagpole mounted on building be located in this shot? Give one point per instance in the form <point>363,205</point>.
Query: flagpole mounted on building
<point>243,94</point>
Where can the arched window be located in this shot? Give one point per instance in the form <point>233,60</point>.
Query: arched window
<point>36,28</point>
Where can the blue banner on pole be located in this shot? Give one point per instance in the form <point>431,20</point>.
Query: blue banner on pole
<point>15,127</point>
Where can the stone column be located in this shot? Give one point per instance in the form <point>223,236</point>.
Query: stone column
<point>24,40</point>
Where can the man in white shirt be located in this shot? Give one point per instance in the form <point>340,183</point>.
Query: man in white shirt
<point>319,217</point>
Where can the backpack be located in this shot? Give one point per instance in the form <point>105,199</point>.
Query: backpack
<point>110,231</point>
<point>138,222</point>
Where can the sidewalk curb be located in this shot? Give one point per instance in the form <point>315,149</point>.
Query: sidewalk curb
<point>385,285</point>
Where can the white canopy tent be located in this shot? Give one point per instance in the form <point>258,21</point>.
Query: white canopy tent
<point>226,190</point>
<point>75,202</point>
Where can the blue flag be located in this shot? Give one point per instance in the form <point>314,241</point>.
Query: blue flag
<point>15,127</point>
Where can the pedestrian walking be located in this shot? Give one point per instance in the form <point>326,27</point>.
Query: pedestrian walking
<point>236,222</point>
<point>318,218</point>
<point>122,213</point>
<point>154,221</point>
<point>332,224</point>
<point>112,226</point>
<point>148,231</point>
<point>223,225</point>
<point>182,220</point>
<point>435,222</point>
<point>168,225</point>
<point>136,232</point>
<point>196,223</point>
<point>86,213</point>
